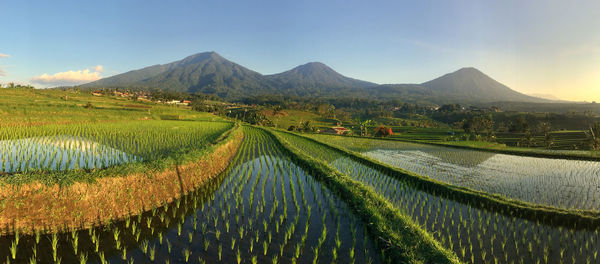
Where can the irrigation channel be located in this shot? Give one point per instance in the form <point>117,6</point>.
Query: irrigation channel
<point>561,183</point>
<point>475,233</point>
<point>262,209</point>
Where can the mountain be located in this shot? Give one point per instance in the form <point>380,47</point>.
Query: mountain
<point>316,75</point>
<point>472,85</point>
<point>209,73</point>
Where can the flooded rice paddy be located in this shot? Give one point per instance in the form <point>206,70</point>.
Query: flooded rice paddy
<point>262,209</point>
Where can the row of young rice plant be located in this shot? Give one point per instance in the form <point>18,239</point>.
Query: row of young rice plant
<point>262,209</point>
<point>476,234</point>
<point>26,149</point>
<point>561,183</point>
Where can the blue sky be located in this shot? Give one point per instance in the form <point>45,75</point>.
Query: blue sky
<point>548,47</point>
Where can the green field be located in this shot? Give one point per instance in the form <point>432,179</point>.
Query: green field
<point>288,118</point>
<point>193,187</point>
<point>35,106</point>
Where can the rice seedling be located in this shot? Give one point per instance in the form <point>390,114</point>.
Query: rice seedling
<point>54,247</point>
<point>102,258</point>
<point>13,249</point>
<point>186,254</point>
<point>169,246</point>
<point>220,250</point>
<point>83,258</point>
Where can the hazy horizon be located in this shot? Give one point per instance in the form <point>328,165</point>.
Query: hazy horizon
<point>534,47</point>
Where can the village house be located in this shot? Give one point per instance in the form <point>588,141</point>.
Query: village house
<point>143,99</point>
<point>179,102</point>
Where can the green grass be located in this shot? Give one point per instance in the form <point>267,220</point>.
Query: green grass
<point>38,106</point>
<point>288,117</point>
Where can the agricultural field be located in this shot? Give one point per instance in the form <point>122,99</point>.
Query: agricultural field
<point>171,185</point>
<point>424,134</point>
<point>476,232</point>
<point>27,151</point>
<point>572,140</point>
<point>39,106</point>
<point>289,117</point>
<point>562,183</point>
<point>561,141</point>
<point>262,209</point>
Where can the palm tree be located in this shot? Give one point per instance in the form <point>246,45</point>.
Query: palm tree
<point>364,126</point>
<point>594,136</point>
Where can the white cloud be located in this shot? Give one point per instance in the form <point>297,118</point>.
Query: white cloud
<point>69,77</point>
<point>2,72</point>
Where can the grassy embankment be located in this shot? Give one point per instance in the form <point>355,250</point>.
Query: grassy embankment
<point>402,240</point>
<point>543,214</point>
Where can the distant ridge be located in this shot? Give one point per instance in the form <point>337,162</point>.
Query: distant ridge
<point>545,96</point>
<point>210,73</point>
<point>316,74</point>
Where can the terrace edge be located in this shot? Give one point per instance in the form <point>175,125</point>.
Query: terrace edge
<point>86,204</point>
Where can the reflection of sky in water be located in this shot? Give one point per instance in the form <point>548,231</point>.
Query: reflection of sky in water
<point>556,182</point>
<point>58,153</point>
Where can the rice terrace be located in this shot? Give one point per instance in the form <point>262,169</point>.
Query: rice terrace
<point>120,143</point>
